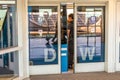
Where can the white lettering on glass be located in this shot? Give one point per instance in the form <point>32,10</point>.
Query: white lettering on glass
<point>88,51</point>
<point>53,53</point>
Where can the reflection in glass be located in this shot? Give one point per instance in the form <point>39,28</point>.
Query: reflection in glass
<point>90,34</point>
<point>8,63</point>
<point>8,28</point>
<point>43,35</point>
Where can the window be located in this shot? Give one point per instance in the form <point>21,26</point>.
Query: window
<point>43,41</point>
<point>8,28</point>
<point>12,56</point>
<point>0,56</point>
<point>90,34</point>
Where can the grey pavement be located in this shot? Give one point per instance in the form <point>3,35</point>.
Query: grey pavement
<point>5,71</point>
<point>79,76</point>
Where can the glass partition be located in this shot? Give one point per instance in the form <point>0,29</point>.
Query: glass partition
<point>90,34</point>
<point>43,38</point>
<point>9,64</point>
<point>8,28</point>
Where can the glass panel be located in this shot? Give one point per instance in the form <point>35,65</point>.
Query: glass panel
<point>90,34</point>
<point>0,56</point>
<point>12,57</point>
<point>6,66</point>
<point>8,28</point>
<point>63,24</point>
<point>43,35</point>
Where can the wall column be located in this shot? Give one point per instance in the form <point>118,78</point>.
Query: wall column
<point>22,23</point>
<point>110,36</point>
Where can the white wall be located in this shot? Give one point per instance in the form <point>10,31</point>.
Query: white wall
<point>110,36</point>
<point>22,24</point>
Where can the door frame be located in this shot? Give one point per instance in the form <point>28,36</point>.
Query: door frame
<point>54,68</point>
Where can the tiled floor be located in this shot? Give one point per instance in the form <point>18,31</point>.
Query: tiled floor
<point>79,76</point>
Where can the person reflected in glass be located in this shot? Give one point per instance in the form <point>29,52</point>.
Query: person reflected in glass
<point>70,33</point>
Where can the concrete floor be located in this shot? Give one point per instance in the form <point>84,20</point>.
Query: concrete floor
<point>79,76</point>
<point>6,74</point>
<point>70,76</point>
<point>7,77</point>
<point>5,71</point>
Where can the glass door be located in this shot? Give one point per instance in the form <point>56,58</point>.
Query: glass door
<point>44,52</point>
<point>89,38</point>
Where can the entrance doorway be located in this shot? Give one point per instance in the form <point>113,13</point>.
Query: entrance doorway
<point>67,38</point>
<point>49,39</point>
